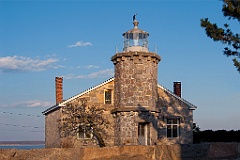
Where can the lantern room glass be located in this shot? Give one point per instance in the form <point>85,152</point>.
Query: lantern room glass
<point>135,39</point>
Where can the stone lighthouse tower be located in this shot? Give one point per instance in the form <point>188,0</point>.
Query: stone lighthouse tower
<point>135,90</point>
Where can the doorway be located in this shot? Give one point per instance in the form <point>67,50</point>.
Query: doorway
<point>143,132</point>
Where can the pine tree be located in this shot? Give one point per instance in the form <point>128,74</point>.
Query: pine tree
<point>230,9</point>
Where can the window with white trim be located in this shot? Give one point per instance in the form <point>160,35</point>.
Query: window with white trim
<point>108,96</point>
<point>173,128</point>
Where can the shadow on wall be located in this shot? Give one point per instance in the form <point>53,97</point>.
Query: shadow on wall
<point>185,151</point>
<point>168,109</point>
<point>151,118</point>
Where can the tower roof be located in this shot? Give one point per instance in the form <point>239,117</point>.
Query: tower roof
<point>135,29</point>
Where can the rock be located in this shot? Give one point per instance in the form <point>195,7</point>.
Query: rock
<point>223,150</point>
<point>203,151</point>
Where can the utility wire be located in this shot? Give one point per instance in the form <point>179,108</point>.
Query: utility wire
<point>20,130</point>
<point>19,114</point>
<point>16,125</point>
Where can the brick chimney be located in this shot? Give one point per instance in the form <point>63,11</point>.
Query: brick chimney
<point>59,89</point>
<point>177,88</point>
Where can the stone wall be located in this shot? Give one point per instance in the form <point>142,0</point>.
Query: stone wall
<point>135,79</point>
<point>127,127</point>
<point>135,89</point>
<point>124,121</point>
<point>94,98</point>
<point>52,136</point>
<point>204,151</point>
<point>171,107</point>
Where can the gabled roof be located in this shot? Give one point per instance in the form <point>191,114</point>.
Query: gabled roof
<point>63,103</point>
<point>86,91</point>
<point>191,106</point>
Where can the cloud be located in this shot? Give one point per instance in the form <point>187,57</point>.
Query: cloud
<point>25,64</point>
<point>30,103</point>
<point>80,44</point>
<point>88,67</point>
<point>101,73</point>
<point>59,66</point>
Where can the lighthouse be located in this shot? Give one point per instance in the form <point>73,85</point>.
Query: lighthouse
<point>135,90</point>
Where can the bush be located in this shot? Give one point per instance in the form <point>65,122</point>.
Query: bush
<point>216,136</point>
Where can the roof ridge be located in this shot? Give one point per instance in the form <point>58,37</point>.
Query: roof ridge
<point>191,106</point>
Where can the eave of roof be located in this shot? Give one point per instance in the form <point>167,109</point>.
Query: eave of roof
<point>191,106</point>
<point>53,108</point>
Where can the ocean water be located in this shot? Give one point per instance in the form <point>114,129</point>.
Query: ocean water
<point>27,147</point>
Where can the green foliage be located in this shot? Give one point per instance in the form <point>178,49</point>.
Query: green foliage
<point>231,9</point>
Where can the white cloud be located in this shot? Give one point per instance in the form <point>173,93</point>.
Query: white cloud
<point>59,66</point>
<point>20,63</point>
<point>80,44</point>
<point>30,103</point>
<point>101,73</point>
<point>88,67</point>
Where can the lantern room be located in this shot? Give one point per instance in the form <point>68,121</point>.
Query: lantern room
<point>135,39</point>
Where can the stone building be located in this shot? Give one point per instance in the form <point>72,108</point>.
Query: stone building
<point>140,111</point>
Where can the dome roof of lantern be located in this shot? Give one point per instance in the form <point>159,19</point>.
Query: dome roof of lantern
<point>136,29</point>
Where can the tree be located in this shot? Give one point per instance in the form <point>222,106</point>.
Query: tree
<point>230,9</point>
<point>84,121</point>
<point>196,127</point>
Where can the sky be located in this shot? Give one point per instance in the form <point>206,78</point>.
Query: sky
<point>40,40</point>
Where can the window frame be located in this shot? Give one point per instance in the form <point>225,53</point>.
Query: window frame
<point>83,134</point>
<point>172,126</point>
<point>111,96</point>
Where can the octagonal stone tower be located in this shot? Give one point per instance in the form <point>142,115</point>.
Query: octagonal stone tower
<point>135,90</point>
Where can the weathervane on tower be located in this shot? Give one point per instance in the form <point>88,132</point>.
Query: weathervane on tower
<point>134,16</point>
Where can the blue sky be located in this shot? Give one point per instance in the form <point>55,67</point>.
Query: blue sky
<point>40,40</point>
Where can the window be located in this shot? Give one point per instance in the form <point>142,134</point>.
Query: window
<point>172,128</point>
<point>85,132</point>
<point>108,96</point>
